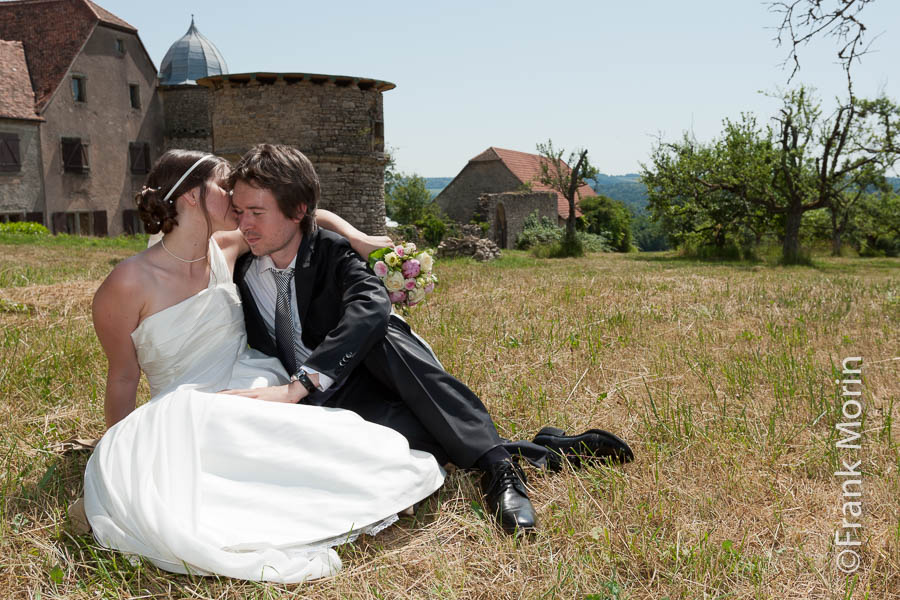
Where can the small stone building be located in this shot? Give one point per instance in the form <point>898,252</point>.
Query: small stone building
<point>499,171</point>
<point>91,89</point>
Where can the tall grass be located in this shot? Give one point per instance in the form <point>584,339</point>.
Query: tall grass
<point>720,376</point>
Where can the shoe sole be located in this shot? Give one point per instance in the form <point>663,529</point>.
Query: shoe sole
<point>575,447</point>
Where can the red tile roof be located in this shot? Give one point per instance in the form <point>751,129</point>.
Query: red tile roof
<point>16,95</point>
<point>107,18</point>
<point>53,33</point>
<point>527,169</point>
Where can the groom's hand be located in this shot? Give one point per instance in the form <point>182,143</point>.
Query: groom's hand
<point>292,393</point>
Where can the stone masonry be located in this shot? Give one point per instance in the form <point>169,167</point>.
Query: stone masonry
<point>336,121</point>
<point>187,122</point>
<point>506,213</point>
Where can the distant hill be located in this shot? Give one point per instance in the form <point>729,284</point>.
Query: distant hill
<point>435,184</point>
<point>625,188</point>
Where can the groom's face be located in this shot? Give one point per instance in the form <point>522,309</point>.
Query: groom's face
<point>264,226</point>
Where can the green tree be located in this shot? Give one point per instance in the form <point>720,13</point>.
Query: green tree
<point>407,200</point>
<point>773,175</point>
<point>610,218</point>
<point>699,192</point>
<point>559,176</point>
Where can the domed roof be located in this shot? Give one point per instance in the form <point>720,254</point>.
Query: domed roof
<point>190,58</point>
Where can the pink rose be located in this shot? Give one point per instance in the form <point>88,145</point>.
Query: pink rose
<point>399,250</point>
<point>410,284</point>
<point>381,268</point>
<point>398,297</point>
<point>411,268</point>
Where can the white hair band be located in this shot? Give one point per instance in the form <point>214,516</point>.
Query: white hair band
<point>186,173</point>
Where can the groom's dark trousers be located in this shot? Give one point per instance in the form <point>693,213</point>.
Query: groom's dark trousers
<point>381,371</point>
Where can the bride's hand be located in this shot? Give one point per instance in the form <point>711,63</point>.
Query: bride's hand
<point>367,244</point>
<point>286,394</point>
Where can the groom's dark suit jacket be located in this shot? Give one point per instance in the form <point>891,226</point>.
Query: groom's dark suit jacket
<point>381,371</point>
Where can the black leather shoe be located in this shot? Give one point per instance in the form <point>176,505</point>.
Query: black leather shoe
<point>592,444</point>
<point>504,491</point>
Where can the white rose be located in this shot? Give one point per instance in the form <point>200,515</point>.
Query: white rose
<point>392,259</point>
<point>425,261</point>
<point>416,295</point>
<point>394,281</point>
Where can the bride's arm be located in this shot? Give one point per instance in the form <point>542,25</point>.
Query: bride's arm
<point>363,243</point>
<point>116,313</point>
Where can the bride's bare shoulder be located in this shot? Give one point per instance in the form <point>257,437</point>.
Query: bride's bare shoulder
<point>128,280</point>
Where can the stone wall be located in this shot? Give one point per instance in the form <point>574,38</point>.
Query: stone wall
<point>187,120</point>
<point>339,127</point>
<point>23,191</point>
<point>107,123</point>
<point>506,213</point>
<point>459,200</point>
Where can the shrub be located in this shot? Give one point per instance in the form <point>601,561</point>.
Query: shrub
<point>24,227</point>
<point>433,228</point>
<point>548,239</point>
<point>538,231</point>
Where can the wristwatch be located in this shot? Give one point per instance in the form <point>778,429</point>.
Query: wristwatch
<point>305,381</point>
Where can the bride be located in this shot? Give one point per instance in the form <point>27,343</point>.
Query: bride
<point>207,483</point>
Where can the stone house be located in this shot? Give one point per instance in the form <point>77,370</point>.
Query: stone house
<point>97,119</point>
<point>502,187</point>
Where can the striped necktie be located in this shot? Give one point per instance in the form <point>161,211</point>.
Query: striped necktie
<point>284,322</point>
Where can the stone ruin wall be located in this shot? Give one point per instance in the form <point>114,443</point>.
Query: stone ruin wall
<point>339,127</point>
<point>517,206</point>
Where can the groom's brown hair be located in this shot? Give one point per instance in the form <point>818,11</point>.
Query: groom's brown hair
<point>287,173</point>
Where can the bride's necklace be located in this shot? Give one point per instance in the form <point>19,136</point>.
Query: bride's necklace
<point>184,260</point>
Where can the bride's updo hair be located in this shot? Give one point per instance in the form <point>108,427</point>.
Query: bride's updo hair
<point>161,215</point>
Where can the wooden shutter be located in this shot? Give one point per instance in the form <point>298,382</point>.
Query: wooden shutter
<point>128,221</point>
<point>10,161</point>
<point>74,155</point>
<point>100,228</point>
<point>59,222</point>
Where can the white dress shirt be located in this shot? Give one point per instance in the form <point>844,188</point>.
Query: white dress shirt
<point>262,286</point>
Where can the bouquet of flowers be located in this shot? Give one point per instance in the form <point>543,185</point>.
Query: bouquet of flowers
<point>406,273</point>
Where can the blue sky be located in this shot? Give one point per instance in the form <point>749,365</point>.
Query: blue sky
<point>608,76</point>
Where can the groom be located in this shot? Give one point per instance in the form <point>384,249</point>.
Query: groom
<point>310,300</point>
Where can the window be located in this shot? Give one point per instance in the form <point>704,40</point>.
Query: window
<point>74,156</point>
<point>134,91</point>
<point>80,222</point>
<point>79,88</point>
<point>15,217</point>
<point>139,155</point>
<point>120,45</point>
<point>9,153</point>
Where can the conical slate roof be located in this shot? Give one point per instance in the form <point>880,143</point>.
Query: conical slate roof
<point>191,58</point>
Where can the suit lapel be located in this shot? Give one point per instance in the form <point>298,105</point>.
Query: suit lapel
<point>304,274</point>
<point>256,329</point>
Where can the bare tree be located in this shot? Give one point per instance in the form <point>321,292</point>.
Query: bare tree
<point>805,20</point>
<point>556,174</point>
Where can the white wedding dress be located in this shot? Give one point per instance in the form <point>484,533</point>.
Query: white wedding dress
<point>215,484</point>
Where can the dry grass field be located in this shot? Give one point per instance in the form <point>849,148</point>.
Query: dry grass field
<point>721,377</point>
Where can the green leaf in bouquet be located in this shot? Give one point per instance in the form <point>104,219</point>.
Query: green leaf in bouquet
<point>377,255</point>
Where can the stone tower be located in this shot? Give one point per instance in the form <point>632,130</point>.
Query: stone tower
<point>337,121</point>
<point>186,104</point>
